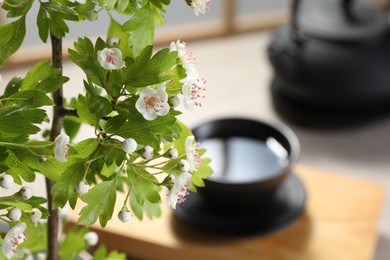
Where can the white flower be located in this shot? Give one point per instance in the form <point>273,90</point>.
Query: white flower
<point>35,215</point>
<point>152,103</point>
<point>6,181</point>
<point>61,147</point>
<point>200,6</point>
<point>82,2</point>
<point>179,189</point>
<point>193,91</point>
<point>129,145</point>
<point>147,153</point>
<point>173,153</point>
<point>65,214</point>
<point>185,55</point>
<point>14,214</point>
<point>91,238</point>
<point>112,41</point>
<point>111,58</point>
<point>82,187</point>
<point>184,165</point>
<point>174,101</point>
<point>124,215</point>
<point>15,236</point>
<point>26,192</point>
<point>193,153</point>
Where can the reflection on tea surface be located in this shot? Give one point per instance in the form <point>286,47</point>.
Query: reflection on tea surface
<point>242,159</point>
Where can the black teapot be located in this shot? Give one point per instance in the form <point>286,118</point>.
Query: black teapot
<point>332,64</point>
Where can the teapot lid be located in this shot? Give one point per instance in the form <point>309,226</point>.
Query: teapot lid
<point>327,20</point>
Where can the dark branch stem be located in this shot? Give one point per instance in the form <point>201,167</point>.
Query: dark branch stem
<point>57,124</point>
<point>70,112</point>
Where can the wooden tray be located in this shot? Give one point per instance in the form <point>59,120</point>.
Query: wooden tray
<point>340,222</point>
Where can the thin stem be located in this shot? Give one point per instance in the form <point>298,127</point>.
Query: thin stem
<point>58,122</point>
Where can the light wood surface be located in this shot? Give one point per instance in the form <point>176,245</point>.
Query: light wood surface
<point>340,222</point>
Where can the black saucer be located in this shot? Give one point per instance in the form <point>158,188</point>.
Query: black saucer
<point>285,206</point>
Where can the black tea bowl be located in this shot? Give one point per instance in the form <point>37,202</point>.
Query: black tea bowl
<point>250,159</point>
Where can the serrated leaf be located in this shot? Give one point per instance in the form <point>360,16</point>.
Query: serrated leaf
<point>13,87</point>
<point>107,171</point>
<point>86,147</point>
<point>85,57</point>
<point>101,201</point>
<point>51,169</point>
<point>17,8</point>
<point>143,131</point>
<point>116,30</point>
<point>141,28</point>
<point>21,118</point>
<point>135,206</point>
<point>17,169</point>
<point>152,210</point>
<point>83,111</point>
<point>12,36</point>
<point>114,124</point>
<point>149,70</point>
<point>43,77</point>
<point>43,24</point>
<point>64,189</point>
<point>29,99</point>
<point>71,126</point>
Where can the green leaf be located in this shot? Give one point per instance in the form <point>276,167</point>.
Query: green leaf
<point>152,210</point>
<point>37,236</point>
<point>85,56</point>
<point>43,23</point>
<point>107,4</point>
<point>73,244</point>
<point>43,77</point>
<point>50,169</point>
<point>101,201</point>
<point>12,36</point>
<point>86,147</point>
<point>141,27</point>
<point>107,171</point>
<point>16,201</point>
<point>17,8</point>
<point>92,108</point>
<point>101,254</point>
<point>17,169</point>
<point>114,124</point>
<point>83,111</point>
<point>64,189</point>
<point>148,70</point>
<point>143,131</point>
<point>29,99</point>
<point>174,85</point>
<point>52,16</point>
<point>13,87</point>
<point>21,118</point>
<point>116,30</point>
<point>72,126</point>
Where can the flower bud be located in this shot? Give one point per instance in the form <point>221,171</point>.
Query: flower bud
<point>91,238</point>
<point>147,153</point>
<point>14,214</point>
<point>174,101</point>
<point>124,215</point>
<point>129,145</point>
<point>6,181</point>
<point>184,165</point>
<point>61,147</point>
<point>26,192</point>
<point>35,215</point>
<point>82,187</point>
<point>112,41</point>
<point>173,153</point>
<point>92,15</point>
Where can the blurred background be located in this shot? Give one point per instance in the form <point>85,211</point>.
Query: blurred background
<point>230,44</point>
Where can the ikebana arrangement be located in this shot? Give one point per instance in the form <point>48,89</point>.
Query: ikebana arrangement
<point>137,146</point>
